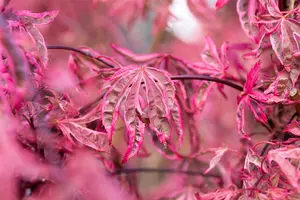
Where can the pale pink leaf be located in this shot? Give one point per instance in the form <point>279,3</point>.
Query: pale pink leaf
<point>28,20</point>
<point>158,109</point>
<point>112,100</point>
<point>280,157</point>
<point>201,95</point>
<point>39,41</point>
<point>134,126</point>
<point>219,154</point>
<point>94,139</point>
<point>256,110</point>
<point>247,10</point>
<point>176,117</point>
<point>293,127</point>
<point>240,118</point>
<point>27,17</point>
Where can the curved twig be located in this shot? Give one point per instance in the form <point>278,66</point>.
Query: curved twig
<point>61,47</point>
<point>208,78</point>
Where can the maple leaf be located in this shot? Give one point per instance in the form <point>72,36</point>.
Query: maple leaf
<point>282,29</point>
<point>94,139</point>
<point>281,156</point>
<point>215,64</point>
<point>247,98</point>
<point>28,20</point>
<point>293,127</point>
<point>158,91</point>
<point>246,10</point>
<point>282,89</point>
<point>219,154</point>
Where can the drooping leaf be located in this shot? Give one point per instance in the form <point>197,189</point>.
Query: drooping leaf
<point>280,156</point>
<point>293,127</point>
<point>246,10</point>
<point>135,127</point>
<point>94,139</point>
<point>257,110</point>
<point>247,98</point>
<point>29,17</point>
<point>202,93</point>
<point>128,85</point>
<point>28,20</point>
<point>219,154</point>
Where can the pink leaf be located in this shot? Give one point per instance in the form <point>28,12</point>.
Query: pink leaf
<point>219,154</point>
<point>280,156</point>
<point>27,17</point>
<point>256,110</point>
<point>240,118</point>
<point>134,86</point>
<point>201,95</point>
<point>247,10</point>
<point>94,139</point>
<point>176,117</point>
<point>28,20</point>
<point>252,77</point>
<point>293,127</point>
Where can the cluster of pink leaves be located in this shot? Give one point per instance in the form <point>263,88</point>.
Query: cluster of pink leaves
<point>156,94</point>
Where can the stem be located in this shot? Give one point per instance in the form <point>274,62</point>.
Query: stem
<point>208,78</point>
<point>160,170</point>
<point>79,51</point>
<point>180,77</point>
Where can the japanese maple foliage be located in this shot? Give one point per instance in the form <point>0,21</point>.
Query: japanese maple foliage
<point>89,125</point>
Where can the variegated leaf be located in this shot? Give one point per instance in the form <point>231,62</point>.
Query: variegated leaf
<point>141,92</point>
<point>94,139</point>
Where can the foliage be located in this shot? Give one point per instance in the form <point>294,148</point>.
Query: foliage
<point>81,129</point>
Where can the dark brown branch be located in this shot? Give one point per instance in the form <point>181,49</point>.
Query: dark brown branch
<point>161,170</point>
<point>79,51</point>
<point>208,78</point>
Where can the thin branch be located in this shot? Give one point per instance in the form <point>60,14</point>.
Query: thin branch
<point>180,77</point>
<point>60,47</point>
<point>161,170</point>
<point>208,78</point>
